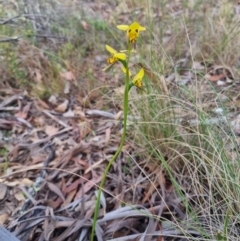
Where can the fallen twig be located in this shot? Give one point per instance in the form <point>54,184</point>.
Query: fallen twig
<point>8,108</point>
<point>10,100</point>
<point>10,39</point>
<point>100,113</point>
<point>44,140</point>
<point>9,20</point>
<point>55,118</point>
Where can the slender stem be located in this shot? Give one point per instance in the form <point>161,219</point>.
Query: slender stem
<point>125,110</point>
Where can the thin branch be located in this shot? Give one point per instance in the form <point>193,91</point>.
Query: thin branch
<point>48,36</point>
<point>55,118</point>
<point>9,20</point>
<point>13,39</point>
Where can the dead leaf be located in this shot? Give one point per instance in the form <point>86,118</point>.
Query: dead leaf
<point>3,191</point>
<point>63,106</point>
<point>43,104</point>
<point>118,115</point>
<point>69,198</point>
<point>24,112</point>
<point>3,218</point>
<point>197,66</point>
<point>221,75</point>
<point>26,182</point>
<point>54,188</point>
<point>80,162</point>
<point>37,75</point>
<point>214,78</point>
<point>66,88</point>
<point>79,112</point>
<point>87,186</point>
<point>94,165</point>
<point>19,196</point>
<point>20,182</point>
<point>85,25</point>
<point>68,75</point>
<point>75,184</point>
<point>69,113</point>
<point>51,130</point>
<point>85,128</point>
<point>108,135</point>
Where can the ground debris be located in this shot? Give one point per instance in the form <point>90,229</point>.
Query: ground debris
<point>55,163</point>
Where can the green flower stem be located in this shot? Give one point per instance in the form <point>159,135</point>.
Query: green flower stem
<point>125,110</point>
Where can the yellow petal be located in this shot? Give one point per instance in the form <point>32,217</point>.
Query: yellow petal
<point>125,71</point>
<point>123,27</point>
<point>139,75</point>
<point>121,56</point>
<point>142,28</point>
<point>110,49</point>
<point>137,80</point>
<point>134,25</point>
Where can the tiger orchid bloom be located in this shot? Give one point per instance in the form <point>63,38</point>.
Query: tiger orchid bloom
<point>132,31</point>
<point>137,80</point>
<point>115,57</point>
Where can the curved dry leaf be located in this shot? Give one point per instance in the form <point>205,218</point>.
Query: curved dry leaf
<point>51,130</point>
<point>63,106</point>
<point>3,191</point>
<point>54,188</point>
<point>107,135</point>
<point>3,218</point>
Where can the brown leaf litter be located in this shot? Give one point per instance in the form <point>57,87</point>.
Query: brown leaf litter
<point>52,164</point>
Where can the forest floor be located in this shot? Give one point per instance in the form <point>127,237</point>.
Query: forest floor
<point>61,121</point>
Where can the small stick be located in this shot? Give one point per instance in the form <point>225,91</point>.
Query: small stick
<point>55,118</point>
<point>9,20</point>
<point>10,100</point>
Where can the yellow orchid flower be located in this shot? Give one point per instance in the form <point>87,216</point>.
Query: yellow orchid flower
<point>115,55</point>
<point>132,31</point>
<point>137,80</point>
<point>114,58</point>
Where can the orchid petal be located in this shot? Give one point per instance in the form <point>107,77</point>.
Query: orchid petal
<point>137,80</point>
<point>139,75</point>
<point>120,56</point>
<point>110,49</point>
<point>142,28</point>
<point>123,27</point>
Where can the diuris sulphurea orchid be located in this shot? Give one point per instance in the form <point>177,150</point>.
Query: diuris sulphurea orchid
<point>124,58</point>
<point>132,31</point>
<point>137,80</point>
<point>115,56</point>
